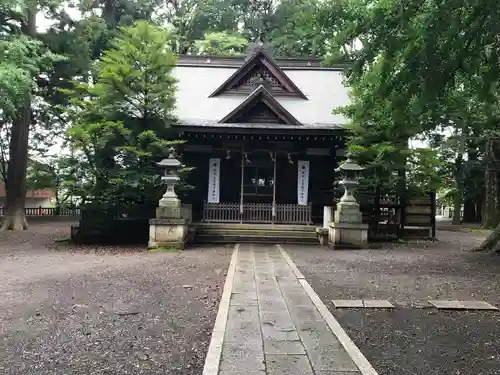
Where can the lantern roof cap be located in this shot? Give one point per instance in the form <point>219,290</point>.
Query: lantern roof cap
<point>171,161</point>
<point>350,165</point>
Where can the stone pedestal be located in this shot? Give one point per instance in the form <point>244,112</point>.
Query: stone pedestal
<point>168,232</point>
<point>170,229</point>
<point>327,216</point>
<point>347,231</point>
<point>348,212</point>
<point>348,235</point>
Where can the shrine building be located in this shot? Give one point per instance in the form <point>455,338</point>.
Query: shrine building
<point>260,135</point>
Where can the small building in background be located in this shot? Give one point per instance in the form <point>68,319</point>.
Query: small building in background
<point>34,198</point>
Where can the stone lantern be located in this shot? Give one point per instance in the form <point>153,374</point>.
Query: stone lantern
<point>170,227</point>
<point>347,229</point>
<point>170,178</point>
<point>349,170</point>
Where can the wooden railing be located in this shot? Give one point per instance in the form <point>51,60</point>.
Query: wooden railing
<point>294,213</point>
<point>257,213</point>
<point>47,211</point>
<point>223,212</point>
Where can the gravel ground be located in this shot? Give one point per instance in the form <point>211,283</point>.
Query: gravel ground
<point>426,341</point>
<point>406,274</point>
<point>92,310</point>
<point>410,339</point>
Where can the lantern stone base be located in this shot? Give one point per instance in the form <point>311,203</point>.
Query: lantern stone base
<point>169,233</point>
<point>347,212</point>
<point>348,235</point>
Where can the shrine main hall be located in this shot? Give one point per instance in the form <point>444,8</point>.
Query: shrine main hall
<point>260,136</point>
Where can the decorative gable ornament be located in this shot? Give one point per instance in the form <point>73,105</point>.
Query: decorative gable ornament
<point>260,69</point>
<point>260,107</point>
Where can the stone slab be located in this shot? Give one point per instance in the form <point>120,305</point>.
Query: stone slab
<point>168,221</point>
<point>323,349</point>
<point>258,372</point>
<point>377,304</point>
<point>347,303</point>
<point>269,304</point>
<point>243,356</point>
<point>268,293</point>
<point>305,314</point>
<point>280,319</point>
<point>283,347</point>
<point>462,305</point>
<point>297,299</point>
<point>242,324</point>
<point>243,299</point>
<point>273,333</point>
<point>288,365</point>
<point>349,346</point>
<point>290,263</point>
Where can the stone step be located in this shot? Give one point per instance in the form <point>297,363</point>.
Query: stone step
<point>217,238</point>
<point>286,227</point>
<point>249,232</point>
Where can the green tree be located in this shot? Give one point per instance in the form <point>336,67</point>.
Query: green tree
<point>22,59</point>
<point>415,59</point>
<point>300,28</point>
<point>122,120</point>
<point>220,44</point>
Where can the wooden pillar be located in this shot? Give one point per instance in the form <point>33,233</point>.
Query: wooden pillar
<point>274,187</point>
<point>242,182</point>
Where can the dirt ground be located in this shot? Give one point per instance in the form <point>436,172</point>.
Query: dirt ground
<point>414,339</point>
<point>93,310</point>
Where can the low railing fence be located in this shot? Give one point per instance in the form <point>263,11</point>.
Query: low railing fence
<point>47,211</point>
<point>257,213</point>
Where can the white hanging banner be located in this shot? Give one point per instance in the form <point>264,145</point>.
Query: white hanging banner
<point>302,182</point>
<point>213,180</point>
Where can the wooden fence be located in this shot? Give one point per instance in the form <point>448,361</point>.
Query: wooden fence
<point>390,216</point>
<point>257,213</point>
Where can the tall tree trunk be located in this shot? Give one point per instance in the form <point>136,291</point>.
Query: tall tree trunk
<point>458,197</point>
<point>14,218</point>
<point>479,203</point>
<point>459,190</point>
<point>470,215</point>
<point>15,186</point>
<point>457,208</point>
<point>490,216</point>
<point>472,207</point>
<point>490,219</point>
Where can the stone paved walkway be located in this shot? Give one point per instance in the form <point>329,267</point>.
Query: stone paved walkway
<point>273,327</point>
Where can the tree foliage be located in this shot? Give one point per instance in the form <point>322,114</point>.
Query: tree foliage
<point>122,120</point>
<point>220,44</point>
<point>23,59</point>
<point>420,67</point>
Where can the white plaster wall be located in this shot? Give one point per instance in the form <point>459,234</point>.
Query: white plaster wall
<point>323,88</point>
<point>32,202</point>
<point>38,202</point>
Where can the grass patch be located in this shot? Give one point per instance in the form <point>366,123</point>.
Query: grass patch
<point>165,250</point>
<point>480,230</point>
<point>63,240</point>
